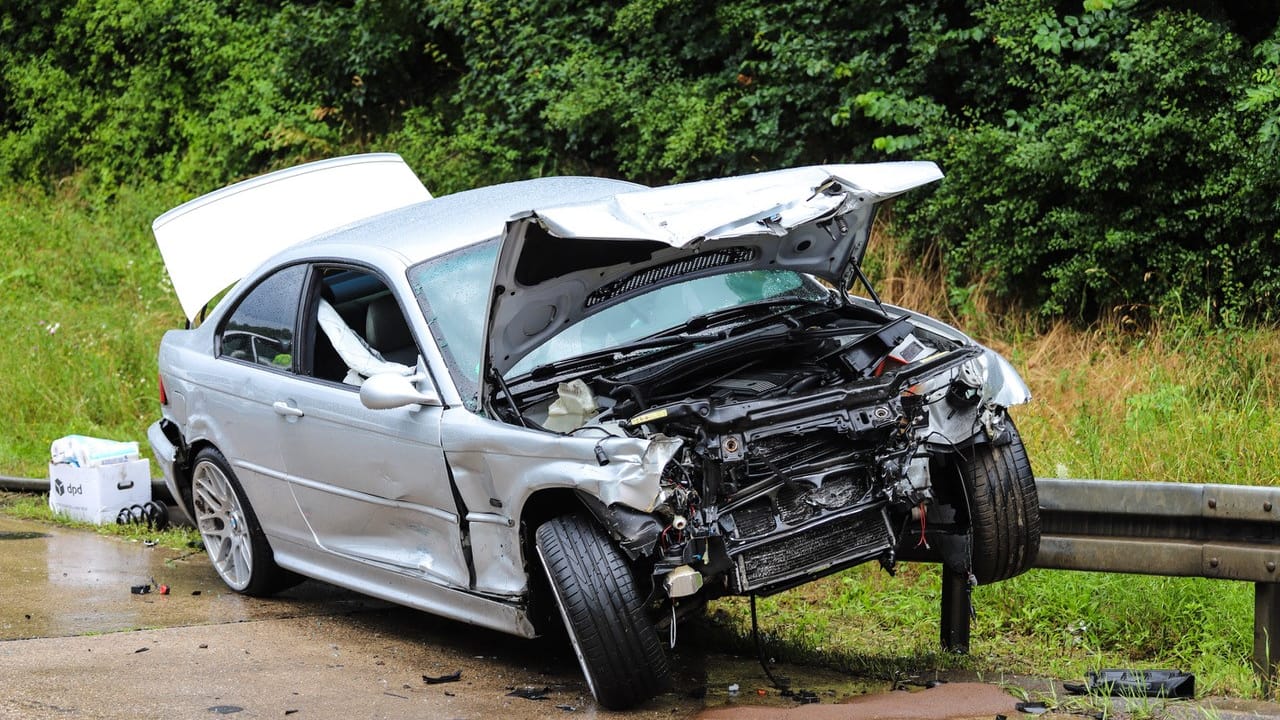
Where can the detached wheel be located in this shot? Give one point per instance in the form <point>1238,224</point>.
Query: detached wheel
<point>614,639</point>
<point>230,531</point>
<point>1004,508</point>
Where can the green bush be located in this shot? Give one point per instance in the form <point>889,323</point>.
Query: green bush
<point>1101,154</point>
<point>1124,178</point>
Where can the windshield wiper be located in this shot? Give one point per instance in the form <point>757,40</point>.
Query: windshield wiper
<point>546,371</point>
<point>688,333</point>
<point>729,314</point>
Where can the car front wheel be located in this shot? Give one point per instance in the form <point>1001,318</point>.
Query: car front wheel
<point>595,590</point>
<point>1004,508</point>
<point>230,530</point>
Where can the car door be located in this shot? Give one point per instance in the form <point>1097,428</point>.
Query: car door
<point>372,485</point>
<point>254,362</point>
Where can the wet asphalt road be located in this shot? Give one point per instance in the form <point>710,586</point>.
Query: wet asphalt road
<point>75,642</point>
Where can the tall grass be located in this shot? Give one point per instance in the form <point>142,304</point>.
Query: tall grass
<point>83,301</point>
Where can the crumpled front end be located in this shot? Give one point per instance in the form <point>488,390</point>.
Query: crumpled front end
<point>803,449</point>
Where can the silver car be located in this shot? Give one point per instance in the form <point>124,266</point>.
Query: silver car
<point>573,400</point>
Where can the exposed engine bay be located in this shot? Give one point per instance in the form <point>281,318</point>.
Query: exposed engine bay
<point>813,438</point>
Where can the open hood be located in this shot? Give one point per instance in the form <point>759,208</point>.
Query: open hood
<point>560,264</point>
<point>216,239</point>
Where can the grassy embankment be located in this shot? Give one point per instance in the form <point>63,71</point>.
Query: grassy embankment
<point>84,300</point>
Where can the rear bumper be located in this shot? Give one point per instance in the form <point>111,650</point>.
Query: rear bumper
<point>165,453</point>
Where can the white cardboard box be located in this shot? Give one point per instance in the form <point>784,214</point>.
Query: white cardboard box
<point>97,494</point>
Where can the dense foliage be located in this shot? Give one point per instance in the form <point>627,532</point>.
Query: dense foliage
<point>1100,154</point>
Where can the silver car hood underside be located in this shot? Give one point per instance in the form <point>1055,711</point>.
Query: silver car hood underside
<point>561,264</point>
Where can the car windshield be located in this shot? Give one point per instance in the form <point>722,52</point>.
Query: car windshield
<point>668,307</point>
<point>453,292</point>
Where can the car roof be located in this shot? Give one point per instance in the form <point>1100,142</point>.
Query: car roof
<point>438,226</point>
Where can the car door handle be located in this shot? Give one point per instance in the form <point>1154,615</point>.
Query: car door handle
<point>283,408</point>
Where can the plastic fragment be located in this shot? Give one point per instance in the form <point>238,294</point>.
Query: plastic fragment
<point>529,693</point>
<point>140,589</point>
<point>1137,683</point>
<point>733,689</point>
<point>1032,708</point>
<point>454,676</point>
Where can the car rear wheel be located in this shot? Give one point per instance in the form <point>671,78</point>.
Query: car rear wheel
<point>1004,508</point>
<point>230,530</point>
<point>595,590</point>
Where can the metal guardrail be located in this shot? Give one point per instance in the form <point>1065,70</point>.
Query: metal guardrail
<point>1224,532</point>
<point>159,491</point>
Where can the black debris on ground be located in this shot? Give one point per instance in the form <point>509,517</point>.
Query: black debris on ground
<point>530,693</point>
<point>454,676</point>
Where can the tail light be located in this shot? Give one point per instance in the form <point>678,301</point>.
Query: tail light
<point>164,397</point>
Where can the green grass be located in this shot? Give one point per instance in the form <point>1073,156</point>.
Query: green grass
<point>84,300</point>
<point>36,507</point>
<point>1043,623</point>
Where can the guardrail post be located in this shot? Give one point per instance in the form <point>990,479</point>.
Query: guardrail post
<point>955,611</point>
<point>1266,631</point>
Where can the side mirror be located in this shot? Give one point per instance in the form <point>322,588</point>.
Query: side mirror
<point>385,391</point>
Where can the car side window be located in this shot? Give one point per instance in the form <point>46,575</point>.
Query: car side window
<point>261,329</point>
<point>359,329</point>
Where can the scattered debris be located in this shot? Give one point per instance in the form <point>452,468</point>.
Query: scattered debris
<point>733,689</point>
<point>291,711</point>
<point>163,590</point>
<point>804,697</point>
<point>1137,683</point>
<point>449,694</point>
<point>567,708</point>
<point>454,676</point>
<point>934,683</point>
<point>152,514</point>
<point>529,693</point>
<point>402,697</point>
<point>140,589</point>
<point>1032,708</point>
<point>203,646</point>
<point>225,709</point>
<point>195,592</point>
<point>141,650</point>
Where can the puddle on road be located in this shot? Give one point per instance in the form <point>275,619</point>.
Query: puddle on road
<point>60,582</point>
<point>709,676</point>
<point>20,535</point>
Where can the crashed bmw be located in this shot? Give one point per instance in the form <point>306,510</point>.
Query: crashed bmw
<point>573,400</point>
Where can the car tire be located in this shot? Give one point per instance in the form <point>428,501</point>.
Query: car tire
<point>1003,506</point>
<point>229,528</point>
<point>603,612</point>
